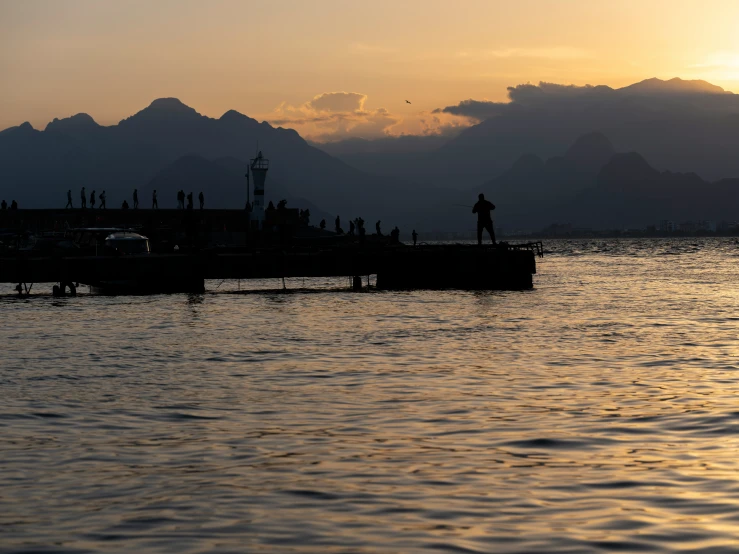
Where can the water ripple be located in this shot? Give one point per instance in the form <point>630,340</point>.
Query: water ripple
<point>596,413</point>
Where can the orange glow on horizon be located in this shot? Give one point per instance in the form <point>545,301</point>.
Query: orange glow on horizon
<point>269,60</point>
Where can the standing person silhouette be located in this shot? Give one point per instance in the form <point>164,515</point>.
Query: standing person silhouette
<point>201,198</point>
<point>102,201</point>
<point>135,199</point>
<point>484,219</point>
<point>415,237</point>
<point>154,203</point>
<point>69,200</point>
<point>83,198</point>
<point>92,199</point>
<point>377,228</point>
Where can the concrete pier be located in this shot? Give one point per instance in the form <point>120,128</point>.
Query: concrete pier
<point>219,244</point>
<point>396,267</point>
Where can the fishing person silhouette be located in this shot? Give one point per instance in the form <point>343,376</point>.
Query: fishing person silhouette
<point>484,220</point>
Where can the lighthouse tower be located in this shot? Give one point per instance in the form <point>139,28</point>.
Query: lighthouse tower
<point>259,167</point>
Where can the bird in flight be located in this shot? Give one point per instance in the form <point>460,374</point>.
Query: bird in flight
<point>407,102</point>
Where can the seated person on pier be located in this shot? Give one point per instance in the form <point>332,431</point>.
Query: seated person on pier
<point>395,234</point>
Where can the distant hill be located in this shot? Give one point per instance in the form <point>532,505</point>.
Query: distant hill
<point>590,186</point>
<point>171,142</point>
<point>677,124</point>
<point>673,86</point>
<point>537,157</point>
<point>222,182</point>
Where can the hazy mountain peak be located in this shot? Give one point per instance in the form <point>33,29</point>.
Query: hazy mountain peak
<point>170,105</point>
<point>591,151</point>
<point>80,121</point>
<point>25,128</point>
<point>675,86</point>
<point>630,166</point>
<point>527,162</point>
<point>233,115</point>
<point>162,111</point>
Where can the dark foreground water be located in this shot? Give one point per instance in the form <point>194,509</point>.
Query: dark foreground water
<point>596,413</point>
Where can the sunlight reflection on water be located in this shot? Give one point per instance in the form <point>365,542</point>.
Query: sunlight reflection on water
<point>595,413</point>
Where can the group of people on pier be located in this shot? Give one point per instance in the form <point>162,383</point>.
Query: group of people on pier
<point>356,227</point>
<point>181,200</point>
<point>482,208</point>
<point>83,199</point>
<point>125,206</point>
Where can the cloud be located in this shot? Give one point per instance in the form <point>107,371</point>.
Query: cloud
<point>364,48</point>
<point>434,123</point>
<point>520,95</point>
<point>529,93</point>
<point>722,65</point>
<point>338,102</point>
<point>334,116</point>
<point>555,53</point>
<point>477,110</point>
<point>721,59</point>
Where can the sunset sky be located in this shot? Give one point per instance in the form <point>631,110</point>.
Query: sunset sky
<point>270,59</point>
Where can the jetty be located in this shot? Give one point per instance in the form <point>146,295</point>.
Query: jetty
<point>192,246</point>
<point>178,250</point>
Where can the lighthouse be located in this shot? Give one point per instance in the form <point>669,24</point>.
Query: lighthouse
<point>259,167</point>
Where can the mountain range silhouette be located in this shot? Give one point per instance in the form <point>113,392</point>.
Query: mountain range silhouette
<point>678,125</point>
<point>551,154</point>
<point>37,167</point>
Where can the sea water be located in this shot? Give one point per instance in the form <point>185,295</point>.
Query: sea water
<point>597,412</point>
